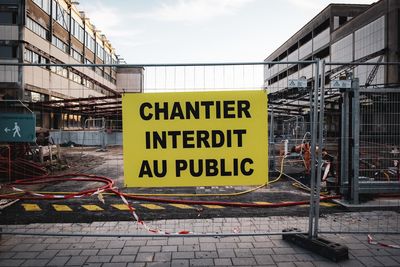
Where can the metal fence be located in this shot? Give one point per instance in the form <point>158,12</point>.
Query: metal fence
<point>311,139</point>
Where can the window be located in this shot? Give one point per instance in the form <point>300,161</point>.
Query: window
<point>100,51</point>
<point>75,77</point>
<point>43,4</point>
<point>76,55</point>
<point>89,42</point>
<point>60,15</point>
<point>59,44</point>
<point>36,28</point>
<point>34,57</point>
<point>8,17</point>
<point>8,51</point>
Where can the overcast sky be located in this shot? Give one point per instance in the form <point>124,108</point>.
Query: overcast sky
<point>182,31</point>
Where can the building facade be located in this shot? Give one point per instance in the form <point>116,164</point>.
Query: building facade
<point>56,32</point>
<point>342,33</point>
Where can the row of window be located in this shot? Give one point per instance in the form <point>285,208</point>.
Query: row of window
<point>33,57</point>
<point>36,28</point>
<point>62,16</point>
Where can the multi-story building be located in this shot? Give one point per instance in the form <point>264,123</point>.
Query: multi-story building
<point>56,32</point>
<point>342,33</point>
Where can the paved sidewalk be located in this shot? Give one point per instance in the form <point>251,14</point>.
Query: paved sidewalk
<point>181,251</point>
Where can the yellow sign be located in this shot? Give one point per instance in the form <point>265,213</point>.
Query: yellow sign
<point>195,139</point>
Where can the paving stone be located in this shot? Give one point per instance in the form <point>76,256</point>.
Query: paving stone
<point>114,264</point>
<point>190,241</point>
<point>369,261</point>
<point>26,255</point>
<point>150,249</point>
<point>157,242</point>
<point>136,264</point>
<point>226,253</point>
<point>116,244</point>
<point>169,248</point>
<point>352,263</point>
<point>99,259</point>
<point>243,261</point>
<point>47,254</point>
<point>263,259</point>
<point>222,262</point>
<point>261,251</point>
<point>59,246</point>
<point>7,255</point>
<point>325,263</point>
<point>77,260</point>
<point>180,263</point>
<point>175,241</point>
<point>304,264</point>
<point>135,243</point>
<point>387,260</point>
<point>283,258</point>
<point>35,262</point>
<point>162,256</point>
<point>244,245</point>
<point>109,251</point>
<point>304,257</point>
<point>360,252</point>
<point>286,264</point>
<point>284,251</point>
<point>38,247</point>
<point>201,262</point>
<point>243,252</point>
<point>11,262</point>
<point>158,264</point>
<point>125,258</point>
<point>69,252</point>
<point>81,246</point>
<point>89,252</point>
<point>183,255</point>
<point>225,245</point>
<point>144,257</point>
<point>58,261</point>
<point>208,246</point>
<point>101,244</point>
<point>21,247</point>
<point>206,254</point>
<point>195,247</point>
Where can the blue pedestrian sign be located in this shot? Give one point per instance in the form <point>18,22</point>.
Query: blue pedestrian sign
<point>17,127</point>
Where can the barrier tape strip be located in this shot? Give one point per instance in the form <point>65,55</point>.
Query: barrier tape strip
<point>370,241</point>
<point>101,199</point>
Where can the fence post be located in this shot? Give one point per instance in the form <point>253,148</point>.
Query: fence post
<point>356,140</point>
<point>320,144</point>
<point>313,147</point>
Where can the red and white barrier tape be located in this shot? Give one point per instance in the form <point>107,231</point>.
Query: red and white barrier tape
<point>370,241</point>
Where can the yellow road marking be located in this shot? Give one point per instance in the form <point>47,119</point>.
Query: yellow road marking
<point>262,202</point>
<point>182,206</point>
<point>152,206</point>
<point>92,207</point>
<point>121,206</point>
<point>31,207</point>
<point>214,206</point>
<point>61,207</point>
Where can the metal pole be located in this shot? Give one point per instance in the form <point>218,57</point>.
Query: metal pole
<point>320,143</point>
<point>356,140</point>
<point>313,144</point>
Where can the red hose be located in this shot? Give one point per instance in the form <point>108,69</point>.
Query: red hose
<point>109,187</point>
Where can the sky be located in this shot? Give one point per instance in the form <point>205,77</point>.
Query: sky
<point>199,31</point>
